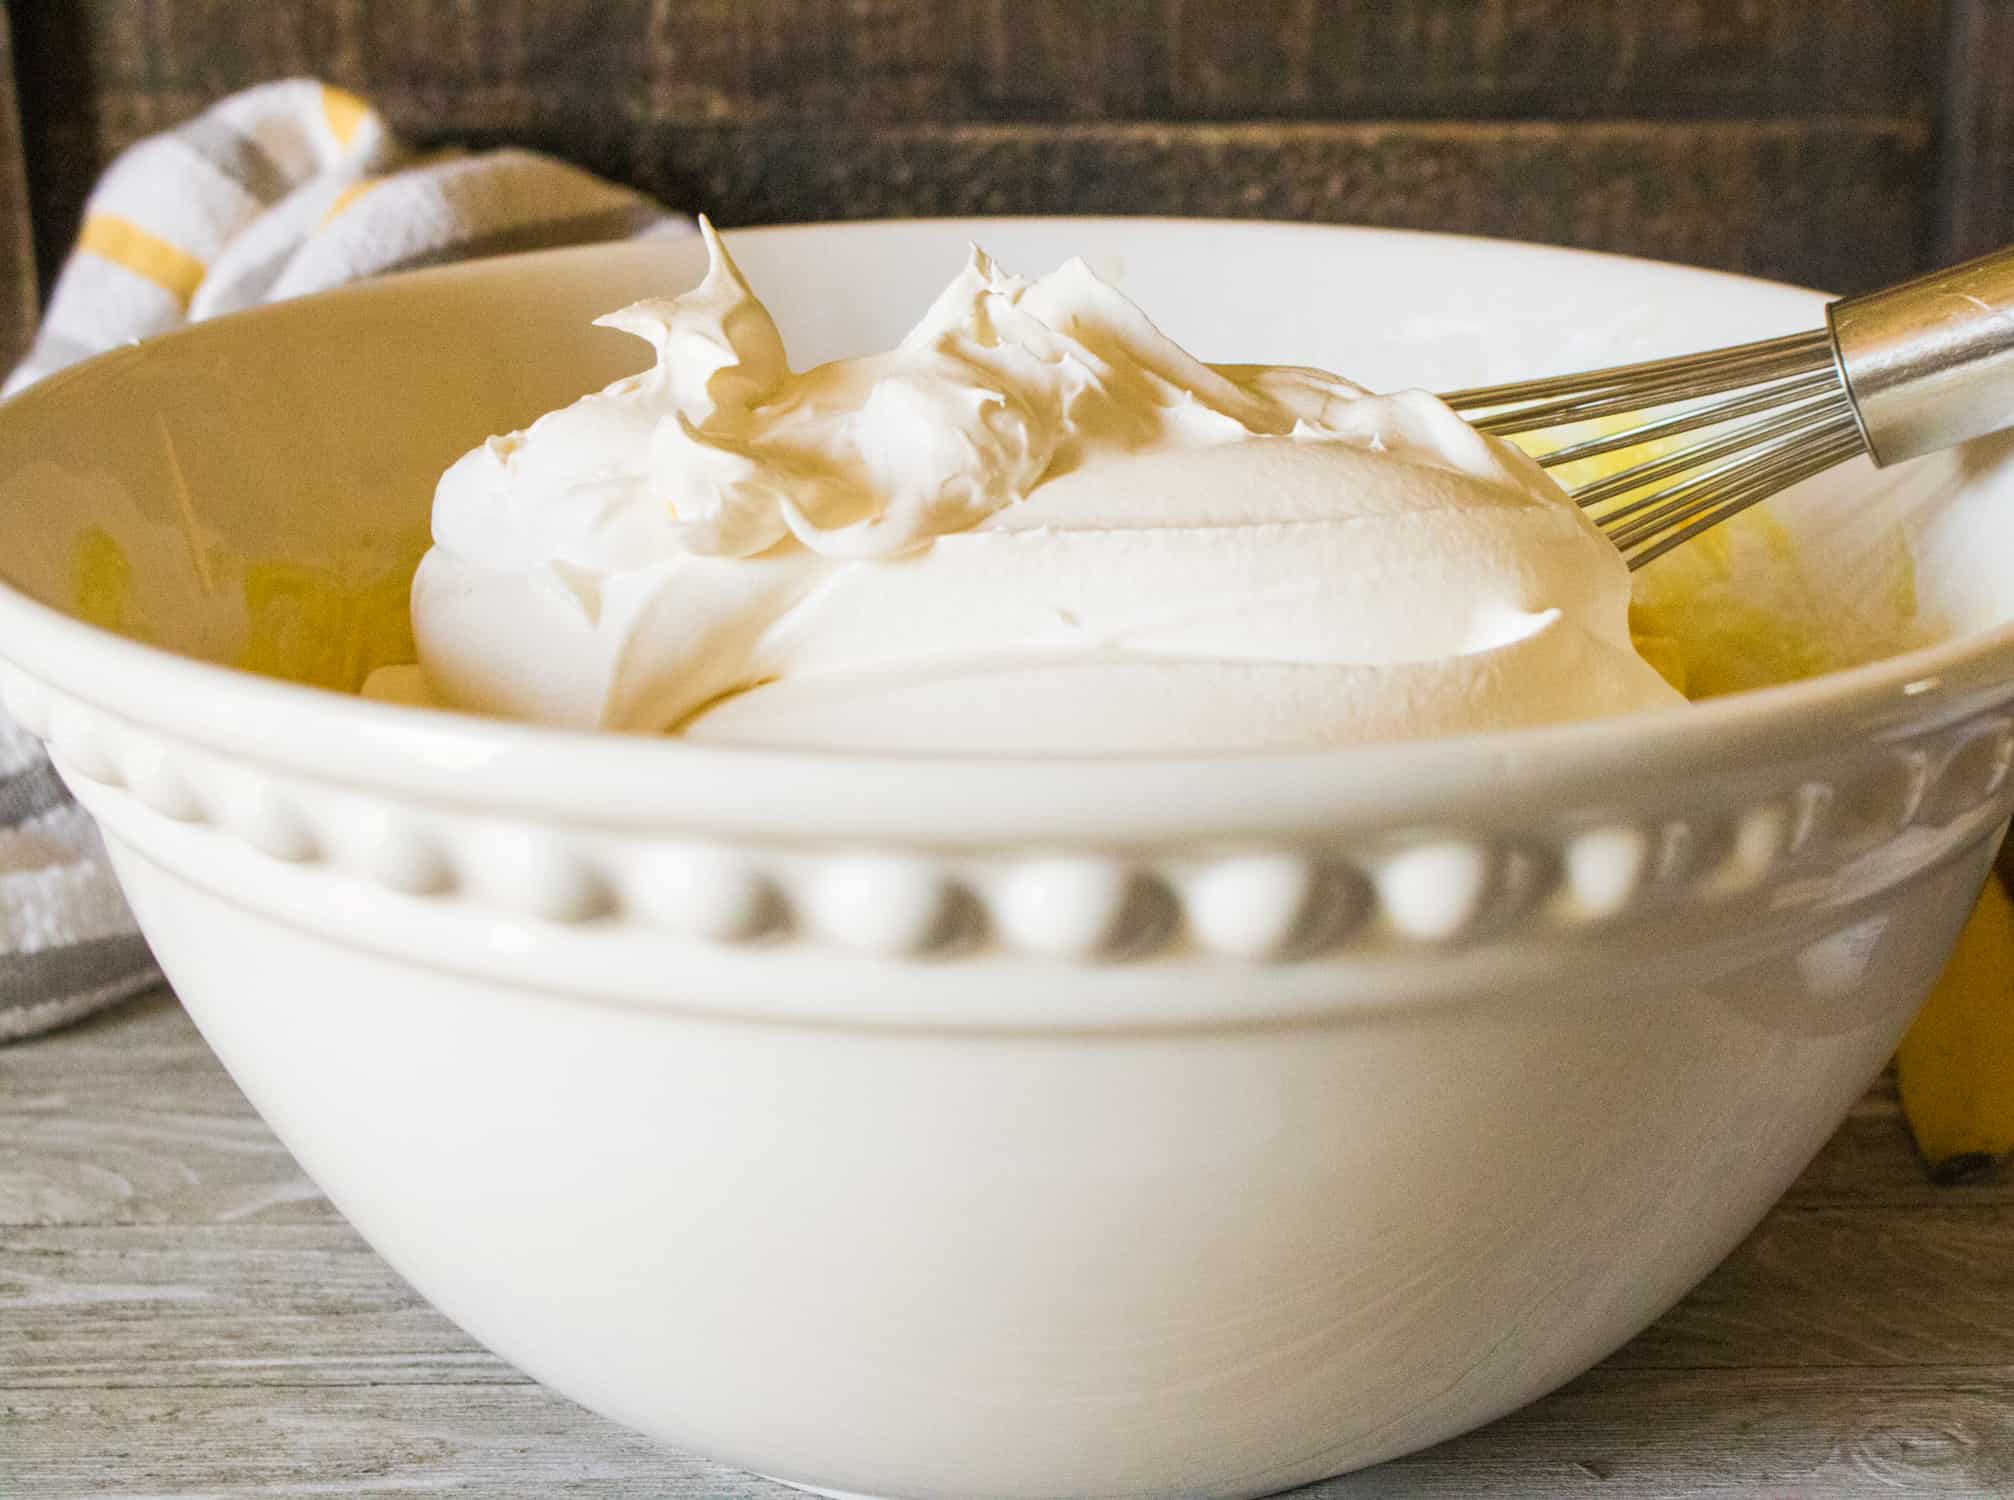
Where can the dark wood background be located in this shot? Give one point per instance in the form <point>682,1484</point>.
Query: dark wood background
<point>1835,142</point>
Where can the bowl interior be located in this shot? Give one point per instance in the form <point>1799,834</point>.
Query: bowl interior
<point>255,490</point>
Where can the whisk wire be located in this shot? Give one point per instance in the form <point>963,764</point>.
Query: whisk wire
<point>1803,423</point>
<point>1759,465</point>
<point>1798,348</point>
<point>1813,464</point>
<point>1692,419</point>
<point>1609,400</point>
<point>1706,450</point>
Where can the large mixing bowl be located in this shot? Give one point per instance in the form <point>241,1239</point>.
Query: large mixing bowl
<point>966,1126</point>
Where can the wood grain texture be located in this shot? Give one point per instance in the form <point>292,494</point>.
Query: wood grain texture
<point>1763,1433</point>
<point>220,1305</point>
<point>228,1304</point>
<point>1837,203</point>
<point>1779,1433</point>
<point>1589,122</point>
<point>509,1443</point>
<point>1870,1160</point>
<point>181,1315</point>
<point>889,61</point>
<point>1978,130</point>
<point>18,283</point>
<point>132,1128</point>
<point>1866,1287</point>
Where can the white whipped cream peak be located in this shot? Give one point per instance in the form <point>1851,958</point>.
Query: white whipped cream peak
<point>1037,505</point>
<point>719,449</point>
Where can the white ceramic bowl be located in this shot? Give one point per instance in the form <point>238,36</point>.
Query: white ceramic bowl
<point>1258,1118</point>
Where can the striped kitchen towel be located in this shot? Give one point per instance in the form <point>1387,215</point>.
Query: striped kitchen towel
<point>288,188</point>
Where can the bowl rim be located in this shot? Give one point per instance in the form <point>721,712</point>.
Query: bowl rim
<point>614,780</point>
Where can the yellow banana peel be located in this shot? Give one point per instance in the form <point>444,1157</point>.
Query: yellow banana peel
<point>1956,1066</point>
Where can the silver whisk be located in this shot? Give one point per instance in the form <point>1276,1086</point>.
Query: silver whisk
<point>1894,374</point>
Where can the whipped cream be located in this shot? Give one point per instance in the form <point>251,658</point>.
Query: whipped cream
<point>1035,524</point>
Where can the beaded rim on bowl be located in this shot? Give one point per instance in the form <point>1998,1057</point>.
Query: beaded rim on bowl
<point>1321,893</point>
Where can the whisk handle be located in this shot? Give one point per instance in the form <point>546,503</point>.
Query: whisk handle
<point>1930,363</point>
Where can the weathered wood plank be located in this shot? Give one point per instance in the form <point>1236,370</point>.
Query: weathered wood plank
<point>304,1304</point>
<point>508,1443</point>
<point>1656,1435</point>
<point>887,61</point>
<point>1619,1434</point>
<point>164,1151</point>
<point>1915,1285</point>
<point>130,1119</point>
<point>1978,130</point>
<point>18,284</point>
<point>1837,203</point>
<point>1502,59</point>
<point>1871,1160</point>
<point>227,1305</point>
<point>806,109</point>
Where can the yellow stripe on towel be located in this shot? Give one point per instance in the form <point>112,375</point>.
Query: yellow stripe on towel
<point>345,113</point>
<point>125,243</point>
<point>346,197</point>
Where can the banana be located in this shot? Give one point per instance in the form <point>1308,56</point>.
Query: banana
<point>1956,1065</point>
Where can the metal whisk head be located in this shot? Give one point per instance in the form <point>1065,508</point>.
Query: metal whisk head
<point>1749,421</point>
<point>1893,374</point>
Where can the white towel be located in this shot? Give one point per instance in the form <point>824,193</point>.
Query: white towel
<point>284,189</point>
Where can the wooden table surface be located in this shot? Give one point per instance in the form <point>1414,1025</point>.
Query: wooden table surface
<point>183,1314</point>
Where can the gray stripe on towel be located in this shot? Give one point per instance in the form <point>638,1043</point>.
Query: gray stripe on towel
<point>27,794</point>
<point>236,157</point>
<point>32,979</point>
<point>19,1023</point>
